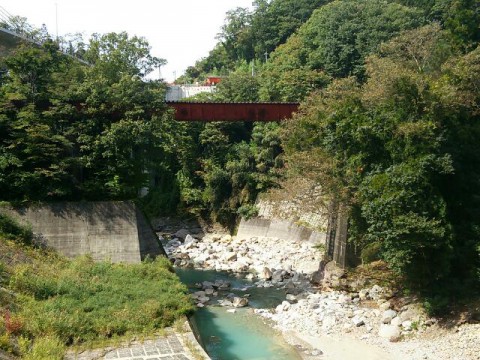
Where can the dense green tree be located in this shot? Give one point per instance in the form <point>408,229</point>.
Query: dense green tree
<point>35,145</point>
<point>274,21</point>
<point>236,36</point>
<point>71,131</point>
<point>390,150</point>
<point>239,86</point>
<point>341,34</point>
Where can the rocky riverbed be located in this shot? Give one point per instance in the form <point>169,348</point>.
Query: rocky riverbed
<point>366,321</point>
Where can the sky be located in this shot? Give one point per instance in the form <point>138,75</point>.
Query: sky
<point>180,31</point>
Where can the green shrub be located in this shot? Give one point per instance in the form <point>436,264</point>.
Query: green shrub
<point>12,230</point>
<point>6,343</point>
<point>371,253</point>
<point>49,347</point>
<point>436,305</point>
<point>247,211</point>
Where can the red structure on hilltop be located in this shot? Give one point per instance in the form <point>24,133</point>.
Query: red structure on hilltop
<point>213,80</point>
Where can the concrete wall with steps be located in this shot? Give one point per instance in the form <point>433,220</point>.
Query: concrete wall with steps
<point>110,230</point>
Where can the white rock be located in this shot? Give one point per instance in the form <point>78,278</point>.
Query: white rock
<point>363,294</point>
<point>266,273</point>
<point>385,306</point>
<point>396,321</point>
<point>232,311</point>
<point>376,292</point>
<point>291,297</point>
<point>189,239</point>
<point>358,321</point>
<point>389,332</point>
<point>328,322</point>
<point>388,315</point>
<point>226,238</point>
<point>198,294</point>
<point>239,302</point>
<point>284,306</point>
<point>230,256</point>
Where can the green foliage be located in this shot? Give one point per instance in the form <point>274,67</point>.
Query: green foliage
<point>239,86</point>
<point>79,301</point>
<point>49,347</point>
<point>274,21</point>
<point>371,253</point>
<point>252,35</point>
<point>247,211</point>
<point>6,343</point>
<point>389,149</point>
<point>12,230</point>
<point>70,131</point>
<point>339,35</point>
<point>436,305</point>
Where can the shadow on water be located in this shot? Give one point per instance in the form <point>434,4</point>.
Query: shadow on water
<point>241,335</point>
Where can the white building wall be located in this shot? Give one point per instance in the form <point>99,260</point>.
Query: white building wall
<point>178,92</point>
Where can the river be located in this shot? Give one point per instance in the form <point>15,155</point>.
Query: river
<point>241,335</point>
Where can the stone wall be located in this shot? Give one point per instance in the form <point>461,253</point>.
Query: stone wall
<point>115,231</point>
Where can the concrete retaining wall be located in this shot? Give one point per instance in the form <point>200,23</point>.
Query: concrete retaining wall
<point>282,229</point>
<point>115,231</point>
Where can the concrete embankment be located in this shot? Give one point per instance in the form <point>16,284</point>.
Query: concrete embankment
<point>277,228</point>
<point>110,230</point>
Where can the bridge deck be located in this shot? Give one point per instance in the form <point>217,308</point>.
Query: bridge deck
<point>203,111</point>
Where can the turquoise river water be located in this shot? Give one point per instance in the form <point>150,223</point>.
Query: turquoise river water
<point>241,335</point>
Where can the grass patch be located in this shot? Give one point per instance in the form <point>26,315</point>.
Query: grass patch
<point>84,301</point>
<point>43,348</point>
<point>60,302</point>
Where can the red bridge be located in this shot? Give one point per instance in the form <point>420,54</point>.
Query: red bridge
<point>203,111</point>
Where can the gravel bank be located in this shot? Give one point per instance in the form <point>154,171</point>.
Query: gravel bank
<point>333,324</point>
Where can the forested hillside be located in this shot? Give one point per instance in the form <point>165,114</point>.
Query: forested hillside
<point>388,126</point>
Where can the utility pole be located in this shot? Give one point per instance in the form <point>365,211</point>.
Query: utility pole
<point>56,20</point>
<point>253,68</point>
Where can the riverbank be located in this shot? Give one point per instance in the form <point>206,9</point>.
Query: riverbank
<point>50,304</point>
<point>366,324</point>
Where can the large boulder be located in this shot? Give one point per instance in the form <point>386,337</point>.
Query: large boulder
<point>239,266</point>
<point>239,301</point>
<point>277,275</point>
<point>389,332</point>
<point>332,274</point>
<point>266,274</point>
<point>181,234</point>
<point>388,316</point>
<point>230,256</point>
<point>189,239</point>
